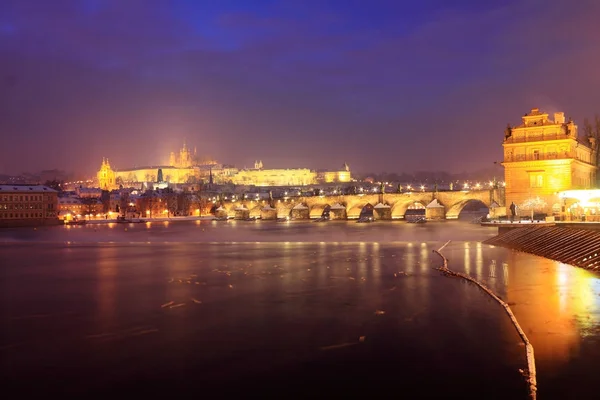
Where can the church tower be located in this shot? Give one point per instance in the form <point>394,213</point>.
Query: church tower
<point>543,157</point>
<point>106,176</point>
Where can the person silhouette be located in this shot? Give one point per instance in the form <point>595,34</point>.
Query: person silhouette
<point>513,211</point>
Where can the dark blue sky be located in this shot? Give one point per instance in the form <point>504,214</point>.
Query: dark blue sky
<point>383,85</point>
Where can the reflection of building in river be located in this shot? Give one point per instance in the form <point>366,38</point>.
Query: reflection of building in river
<point>553,303</point>
<point>544,156</point>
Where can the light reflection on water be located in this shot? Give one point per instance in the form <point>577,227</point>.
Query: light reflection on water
<point>283,274</point>
<point>557,305</point>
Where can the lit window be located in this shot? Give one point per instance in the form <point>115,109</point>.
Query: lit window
<point>536,180</point>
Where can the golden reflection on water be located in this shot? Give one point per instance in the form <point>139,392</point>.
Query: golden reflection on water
<point>479,261</point>
<point>375,274</point>
<point>467,258</point>
<point>424,257</point>
<point>106,269</point>
<point>554,303</point>
<point>410,258</point>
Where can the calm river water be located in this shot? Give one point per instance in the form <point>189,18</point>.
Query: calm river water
<point>287,310</point>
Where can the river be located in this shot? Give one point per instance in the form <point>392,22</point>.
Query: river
<point>288,309</point>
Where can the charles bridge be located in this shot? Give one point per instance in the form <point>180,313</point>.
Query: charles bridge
<point>388,206</point>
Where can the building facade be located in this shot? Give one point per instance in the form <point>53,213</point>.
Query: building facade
<point>28,205</point>
<point>185,167</point>
<point>288,177</point>
<point>109,179</point>
<point>543,157</point>
<point>106,176</point>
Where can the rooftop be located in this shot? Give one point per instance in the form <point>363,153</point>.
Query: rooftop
<point>25,189</point>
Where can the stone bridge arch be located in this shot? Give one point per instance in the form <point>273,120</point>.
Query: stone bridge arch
<point>398,202</point>
<point>399,209</point>
<point>316,211</point>
<point>454,211</point>
<point>353,212</point>
<point>255,210</point>
<point>284,209</point>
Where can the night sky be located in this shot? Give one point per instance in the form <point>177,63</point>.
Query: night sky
<point>394,86</point>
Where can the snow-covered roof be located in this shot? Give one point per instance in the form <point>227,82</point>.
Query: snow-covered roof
<point>300,206</point>
<point>241,208</point>
<point>25,189</point>
<point>434,204</point>
<point>68,200</point>
<point>221,209</point>
<point>337,206</point>
<point>88,190</point>
<point>380,205</point>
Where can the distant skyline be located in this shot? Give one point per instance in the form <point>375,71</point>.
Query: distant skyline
<point>382,85</point>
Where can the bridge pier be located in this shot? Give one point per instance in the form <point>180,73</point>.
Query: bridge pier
<point>383,212</point>
<point>268,213</point>
<point>438,205</point>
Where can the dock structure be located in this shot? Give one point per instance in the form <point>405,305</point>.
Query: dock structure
<point>579,246</point>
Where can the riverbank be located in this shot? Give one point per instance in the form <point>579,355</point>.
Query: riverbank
<point>159,219</point>
<point>572,244</point>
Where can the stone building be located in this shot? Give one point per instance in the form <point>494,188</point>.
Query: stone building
<point>106,176</point>
<point>28,205</point>
<point>543,157</point>
<point>186,167</point>
<point>181,170</point>
<point>184,159</point>
<point>288,177</point>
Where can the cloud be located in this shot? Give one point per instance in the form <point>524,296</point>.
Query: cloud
<point>314,84</point>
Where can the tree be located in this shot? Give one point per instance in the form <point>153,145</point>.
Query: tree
<point>54,184</point>
<point>184,202</point>
<point>587,128</point>
<point>170,198</point>
<point>533,203</point>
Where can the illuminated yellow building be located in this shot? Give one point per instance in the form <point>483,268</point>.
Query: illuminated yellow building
<point>109,179</point>
<point>184,159</point>
<point>106,176</point>
<point>543,157</point>
<point>288,177</point>
<point>274,177</point>
<point>185,167</point>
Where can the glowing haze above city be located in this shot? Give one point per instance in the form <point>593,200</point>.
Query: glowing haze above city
<point>383,85</point>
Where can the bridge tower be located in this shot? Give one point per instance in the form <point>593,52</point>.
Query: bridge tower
<point>543,157</point>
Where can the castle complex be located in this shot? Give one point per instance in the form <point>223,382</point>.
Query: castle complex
<point>186,167</point>
<point>544,157</point>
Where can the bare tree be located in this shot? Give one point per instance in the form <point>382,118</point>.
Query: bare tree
<point>170,199</point>
<point>587,128</point>
<point>533,204</point>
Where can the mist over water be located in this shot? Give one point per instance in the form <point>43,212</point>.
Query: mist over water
<point>257,231</point>
<point>288,308</point>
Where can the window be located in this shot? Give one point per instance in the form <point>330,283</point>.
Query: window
<point>536,180</point>
<point>536,154</point>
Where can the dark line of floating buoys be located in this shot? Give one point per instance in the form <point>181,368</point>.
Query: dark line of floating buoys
<point>579,247</point>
